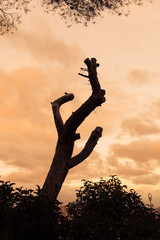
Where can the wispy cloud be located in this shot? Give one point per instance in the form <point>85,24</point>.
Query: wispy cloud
<point>141,77</point>
<point>137,126</point>
<point>43,45</point>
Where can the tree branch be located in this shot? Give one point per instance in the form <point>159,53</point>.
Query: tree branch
<point>95,100</point>
<point>92,70</point>
<point>88,148</point>
<point>56,111</point>
<point>83,75</point>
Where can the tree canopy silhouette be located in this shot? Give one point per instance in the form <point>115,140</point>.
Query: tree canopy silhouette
<point>106,210</point>
<point>102,210</point>
<point>11,11</point>
<point>28,214</point>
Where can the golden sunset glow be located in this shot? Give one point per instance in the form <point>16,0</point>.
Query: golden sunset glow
<point>41,61</point>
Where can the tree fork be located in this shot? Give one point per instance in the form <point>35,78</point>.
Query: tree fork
<point>63,160</point>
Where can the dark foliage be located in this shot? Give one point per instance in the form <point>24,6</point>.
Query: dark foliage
<point>87,10</point>
<point>105,210</point>
<point>28,214</point>
<point>11,11</point>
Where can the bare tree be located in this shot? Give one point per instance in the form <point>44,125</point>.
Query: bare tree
<point>63,160</point>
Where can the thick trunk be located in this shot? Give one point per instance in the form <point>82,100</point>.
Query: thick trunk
<point>57,173</point>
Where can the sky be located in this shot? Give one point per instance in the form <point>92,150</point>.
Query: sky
<point>41,61</point>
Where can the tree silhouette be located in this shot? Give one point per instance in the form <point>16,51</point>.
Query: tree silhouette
<point>28,214</point>
<point>11,14</point>
<point>102,210</point>
<point>106,210</point>
<point>63,160</point>
<point>11,11</point>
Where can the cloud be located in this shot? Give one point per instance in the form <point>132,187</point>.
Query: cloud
<point>28,178</point>
<point>141,77</point>
<point>92,167</point>
<point>136,161</point>
<point>137,155</point>
<point>128,170</point>
<point>136,126</point>
<point>26,129</point>
<point>43,45</point>
<point>154,108</point>
<point>143,152</point>
<point>149,179</point>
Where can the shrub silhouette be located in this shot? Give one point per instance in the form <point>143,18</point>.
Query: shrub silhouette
<point>105,210</point>
<point>102,210</point>
<point>27,214</point>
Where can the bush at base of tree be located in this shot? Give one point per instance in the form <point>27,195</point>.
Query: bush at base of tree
<point>28,215</point>
<point>103,210</point>
<point>106,210</point>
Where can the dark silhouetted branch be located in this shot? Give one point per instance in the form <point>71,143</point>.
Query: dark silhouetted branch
<point>56,110</point>
<point>87,150</point>
<point>95,100</point>
<point>83,75</point>
<point>92,70</point>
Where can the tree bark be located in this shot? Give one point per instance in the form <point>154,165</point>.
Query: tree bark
<point>63,160</point>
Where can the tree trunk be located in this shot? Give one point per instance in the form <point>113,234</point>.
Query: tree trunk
<point>63,160</point>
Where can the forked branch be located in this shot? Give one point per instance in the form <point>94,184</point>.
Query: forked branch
<point>63,160</point>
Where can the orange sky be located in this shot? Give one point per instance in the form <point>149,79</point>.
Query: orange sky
<point>40,62</point>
